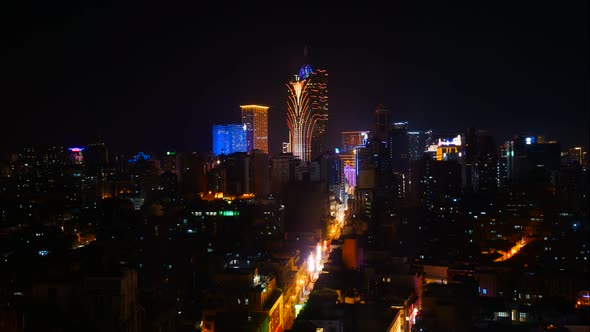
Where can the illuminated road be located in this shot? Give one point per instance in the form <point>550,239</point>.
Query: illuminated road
<point>514,250</point>
<point>315,261</point>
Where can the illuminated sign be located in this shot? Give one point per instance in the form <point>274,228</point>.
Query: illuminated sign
<point>446,142</point>
<point>529,140</point>
<point>76,149</point>
<point>170,153</point>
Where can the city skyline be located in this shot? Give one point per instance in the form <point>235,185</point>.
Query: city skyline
<point>440,68</point>
<point>293,168</point>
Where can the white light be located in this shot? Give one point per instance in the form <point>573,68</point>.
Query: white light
<point>311,263</point>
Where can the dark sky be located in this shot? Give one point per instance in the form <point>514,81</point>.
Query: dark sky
<point>156,77</point>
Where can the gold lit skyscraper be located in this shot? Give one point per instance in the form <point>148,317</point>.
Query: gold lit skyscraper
<point>255,118</point>
<point>300,119</point>
<point>307,113</point>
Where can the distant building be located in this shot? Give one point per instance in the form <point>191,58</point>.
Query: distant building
<point>231,174</point>
<point>255,118</point>
<point>526,154</point>
<point>398,164</point>
<point>576,156</point>
<point>191,172</point>
<point>417,142</point>
<point>96,157</point>
<point>307,113</point>
<point>260,173</point>
<point>480,162</point>
<point>353,139</point>
<point>283,171</point>
<point>229,138</point>
<point>381,123</point>
<point>318,96</point>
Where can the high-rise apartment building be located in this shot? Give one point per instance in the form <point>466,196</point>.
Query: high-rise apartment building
<point>229,138</point>
<point>418,141</point>
<point>255,120</point>
<point>396,173</point>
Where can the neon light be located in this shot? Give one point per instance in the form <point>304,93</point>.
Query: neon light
<point>454,141</point>
<point>76,149</point>
<point>305,72</point>
<point>140,156</point>
<point>529,140</point>
<point>254,106</point>
<point>350,175</point>
<point>229,213</point>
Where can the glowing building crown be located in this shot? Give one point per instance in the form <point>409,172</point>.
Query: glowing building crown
<point>305,72</point>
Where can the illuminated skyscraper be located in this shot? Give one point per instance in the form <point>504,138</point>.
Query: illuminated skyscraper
<point>229,138</point>
<point>300,119</point>
<point>308,112</point>
<point>255,118</point>
<point>318,96</point>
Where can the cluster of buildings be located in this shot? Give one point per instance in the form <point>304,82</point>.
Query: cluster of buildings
<point>396,229</point>
<point>251,134</point>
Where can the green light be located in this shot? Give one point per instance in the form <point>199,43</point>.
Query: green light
<point>229,213</point>
<point>170,153</point>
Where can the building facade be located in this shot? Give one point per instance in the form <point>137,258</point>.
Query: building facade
<point>307,113</point>
<point>229,138</point>
<point>255,120</point>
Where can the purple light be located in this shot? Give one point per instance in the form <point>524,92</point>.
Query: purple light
<point>76,149</point>
<point>350,175</point>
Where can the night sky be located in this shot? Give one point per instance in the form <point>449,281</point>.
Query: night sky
<point>146,77</point>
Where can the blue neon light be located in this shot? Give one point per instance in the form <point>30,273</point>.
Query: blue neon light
<point>140,156</point>
<point>305,72</point>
